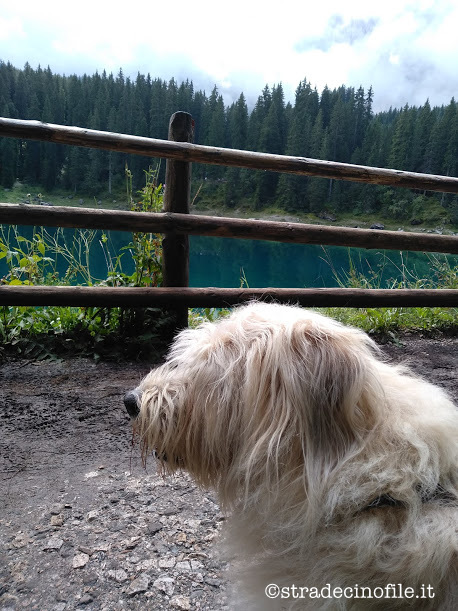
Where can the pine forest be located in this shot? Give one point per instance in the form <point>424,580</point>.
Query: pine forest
<point>338,125</point>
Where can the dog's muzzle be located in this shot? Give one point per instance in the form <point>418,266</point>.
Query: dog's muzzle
<point>132,403</point>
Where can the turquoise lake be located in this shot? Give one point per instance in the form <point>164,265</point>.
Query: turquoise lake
<point>222,262</point>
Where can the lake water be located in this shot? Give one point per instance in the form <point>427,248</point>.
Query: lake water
<point>222,262</point>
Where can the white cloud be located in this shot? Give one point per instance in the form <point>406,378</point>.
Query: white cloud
<point>10,29</point>
<point>407,49</point>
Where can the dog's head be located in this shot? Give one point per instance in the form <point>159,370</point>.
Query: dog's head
<point>316,443</point>
<point>258,395</point>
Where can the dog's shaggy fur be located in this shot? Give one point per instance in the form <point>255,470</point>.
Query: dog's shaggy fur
<point>337,468</point>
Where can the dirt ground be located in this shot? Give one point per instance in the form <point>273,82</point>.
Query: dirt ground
<point>82,524</point>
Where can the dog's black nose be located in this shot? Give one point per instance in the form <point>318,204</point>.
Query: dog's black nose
<point>131,403</point>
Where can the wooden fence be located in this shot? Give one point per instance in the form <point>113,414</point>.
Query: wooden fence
<point>176,223</point>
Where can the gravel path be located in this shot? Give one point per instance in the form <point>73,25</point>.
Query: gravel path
<point>82,524</point>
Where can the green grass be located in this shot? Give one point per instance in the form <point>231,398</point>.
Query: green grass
<point>394,321</point>
<point>432,214</point>
<point>387,321</point>
<point>443,275</point>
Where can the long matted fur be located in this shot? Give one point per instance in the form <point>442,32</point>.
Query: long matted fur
<point>336,467</point>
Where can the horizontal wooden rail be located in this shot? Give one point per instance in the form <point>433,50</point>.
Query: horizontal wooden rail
<point>301,233</point>
<point>221,297</point>
<point>60,134</point>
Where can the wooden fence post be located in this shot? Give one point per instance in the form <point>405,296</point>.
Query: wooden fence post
<point>177,198</point>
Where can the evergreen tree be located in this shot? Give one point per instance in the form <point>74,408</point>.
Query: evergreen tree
<point>319,189</point>
<point>171,102</point>
<point>217,127</point>
<point>401,145</point>
<point>360,118</point>
<point>197,111</point>
<point>272,139</point>
<point>292,189</point>
<point>49,167</point>
<point>421,134</point>
<point>216,131</point>
<point>238,124</point>
<point>158,119</point>
<point>8,150</point>
<point>237,127</point>
<point>184,96</point>
<point>32,150</point>
<point>326,106</point>
<point>95,175</point>
<point>257,117</point>
<point>450,161</point>
<point>369,99</point>
<point>6,81</point>
<point>372,153</point>
<point>138,163</point>
<point>339,129</point>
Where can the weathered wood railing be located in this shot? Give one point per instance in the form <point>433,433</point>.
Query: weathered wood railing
<point>185,151</point>
<point>176,223</point>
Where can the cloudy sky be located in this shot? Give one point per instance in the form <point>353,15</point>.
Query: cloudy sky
<point>406,49</point>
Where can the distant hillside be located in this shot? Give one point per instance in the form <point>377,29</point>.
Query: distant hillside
<point>335,125</point>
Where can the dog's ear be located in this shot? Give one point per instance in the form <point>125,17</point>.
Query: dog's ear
<point>310,395</point>
<point>157,423</point>
<point>342,395</point>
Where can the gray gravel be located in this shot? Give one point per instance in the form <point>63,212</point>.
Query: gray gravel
<point>82,524</point>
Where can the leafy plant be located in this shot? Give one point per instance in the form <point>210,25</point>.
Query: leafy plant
<point>38,332</point>
<point>36,260</point>
<point>146,248</point>
<point>26,259</point>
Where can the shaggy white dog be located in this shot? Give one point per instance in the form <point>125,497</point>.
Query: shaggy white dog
<point>340,471</point>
